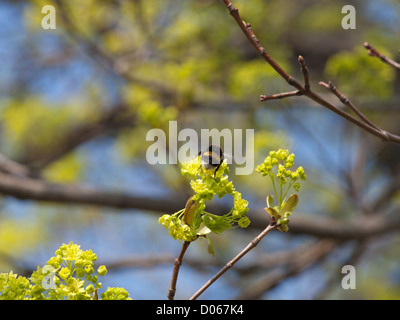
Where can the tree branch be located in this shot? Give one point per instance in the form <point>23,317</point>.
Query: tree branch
<point>230,264</point>
<point>10,166</point>
<point>40,190</point>
<point>375,53</point>
<point>280,95</point>
<point>299,92</point>
<point>348,103</point>
<point>303,90</point>
<point>175,272</point>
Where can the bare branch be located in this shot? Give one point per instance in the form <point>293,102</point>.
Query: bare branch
<point>299,92</point>
<point>230,264</point>
<point>305,73</point>
<point>247,30</point>
<point>35,189</point>
<point>347,103</point>
<point>375,53</point>
<point>175,272</point>
<point>13,167</point>
<point>280,95</point>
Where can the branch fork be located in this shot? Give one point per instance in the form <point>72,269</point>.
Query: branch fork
<point>305,90</point>
<point>299,92</point>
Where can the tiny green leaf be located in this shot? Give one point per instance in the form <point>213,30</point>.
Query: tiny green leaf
<point>210,248</point>
<point>216,223</point>
<point>270,201</point>
<point>290,204</point>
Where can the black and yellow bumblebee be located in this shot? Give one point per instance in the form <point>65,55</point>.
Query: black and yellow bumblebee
<point>212,158</point>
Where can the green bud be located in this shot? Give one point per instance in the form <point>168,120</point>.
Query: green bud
<point>283,228</point>
<point>273,213</point>
<point>191,210</point>
<point>64,273</point>
<point>102,270</point>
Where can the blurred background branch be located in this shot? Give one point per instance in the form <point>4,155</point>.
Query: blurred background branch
<point>78,101</point>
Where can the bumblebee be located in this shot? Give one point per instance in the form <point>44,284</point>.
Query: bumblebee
<point>212,158</point>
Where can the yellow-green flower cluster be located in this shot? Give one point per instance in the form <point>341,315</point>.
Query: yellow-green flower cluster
<point>205,186</point>
<point>283,161</point>
<point>115,293</point>
<point>278,166</point>
<point>177,229</point>
<point>69,275</point>
<point>13,287</point>
<point>281,216</point>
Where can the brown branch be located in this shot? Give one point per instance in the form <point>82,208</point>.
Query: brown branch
<point>35,189</point>
<point>375,53</point>
<point>175,272</point>
<point>247,30</point>
<point>358,228</point>
<point>40,190</point>
<point>299,92</point>
<point>348,103</point>
<point>13,167</point>
<point>280,95</point>
<point>305,73</point>
<point>253,243</point>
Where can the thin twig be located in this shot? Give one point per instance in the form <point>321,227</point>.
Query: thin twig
<point>330,86</point>
<point>375,53</point>
<point>305,73</point>
<point>299,92</point>
<point>175,272</point>
<point>280,95</point>
<point>247,30</point>
<point>253,243</point>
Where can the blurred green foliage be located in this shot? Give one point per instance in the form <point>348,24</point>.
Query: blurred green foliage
<point>358,74</point>
<point>178,60</point>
